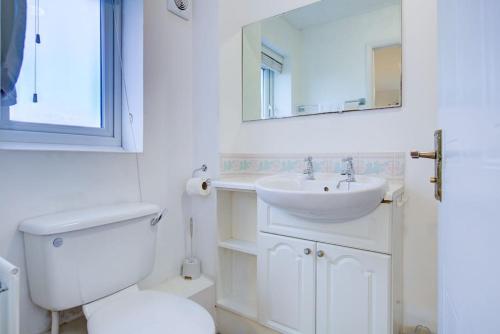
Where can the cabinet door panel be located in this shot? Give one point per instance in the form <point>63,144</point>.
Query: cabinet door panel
<point>286,280</point>
<point>353,291</point>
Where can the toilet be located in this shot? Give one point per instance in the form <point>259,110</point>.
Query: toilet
<point>94,258</point>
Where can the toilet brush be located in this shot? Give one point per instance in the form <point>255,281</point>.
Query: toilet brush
<point>191,267</point>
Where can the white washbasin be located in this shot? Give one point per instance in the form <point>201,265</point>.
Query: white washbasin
<point>320,198</point>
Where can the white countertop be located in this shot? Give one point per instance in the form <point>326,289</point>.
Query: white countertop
<point>237,182</point>
<point>246,182</point>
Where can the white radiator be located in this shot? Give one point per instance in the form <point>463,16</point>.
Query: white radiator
<point>9,298</point>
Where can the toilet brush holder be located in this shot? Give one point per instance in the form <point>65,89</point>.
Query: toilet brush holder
<point>191,268</point>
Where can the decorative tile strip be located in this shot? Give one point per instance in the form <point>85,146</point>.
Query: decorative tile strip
<point>390,165</point>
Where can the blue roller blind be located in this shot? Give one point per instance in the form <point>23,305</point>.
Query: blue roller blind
<point>13,34</point>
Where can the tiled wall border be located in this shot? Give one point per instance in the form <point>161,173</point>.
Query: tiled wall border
<point>390,165</point>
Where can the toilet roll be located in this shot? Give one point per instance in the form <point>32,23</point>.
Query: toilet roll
<point>198,186</point>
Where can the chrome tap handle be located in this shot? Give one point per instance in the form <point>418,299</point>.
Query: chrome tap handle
<point>349,169</point>
<point>349,162</point>
<point>309,168</point>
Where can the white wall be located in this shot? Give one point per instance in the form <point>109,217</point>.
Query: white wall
<point>401,129</point>
<point>206,126</point>
<point>35,183</point>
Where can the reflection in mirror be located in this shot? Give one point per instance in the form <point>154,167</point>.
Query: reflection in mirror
<point>330,56</point>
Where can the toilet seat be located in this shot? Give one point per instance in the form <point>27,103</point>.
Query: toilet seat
<point>150,312</point>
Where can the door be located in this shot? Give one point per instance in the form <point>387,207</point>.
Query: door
<point>387,75</point>
<point>353,291</point>
<point>469,114</point>
<point>286,281</point>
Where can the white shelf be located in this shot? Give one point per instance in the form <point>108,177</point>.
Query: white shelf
<point>238,307</point>
<point>242,246</point>
<point>184,288</point>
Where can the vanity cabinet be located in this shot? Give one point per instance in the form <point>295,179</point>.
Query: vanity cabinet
<point>323,277</point>
<point>307,287</point>
<point>286,283</point>
<point>279,273</point>
<point>353,291</point>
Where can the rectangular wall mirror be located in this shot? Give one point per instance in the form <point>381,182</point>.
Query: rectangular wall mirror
<point>330,56</point>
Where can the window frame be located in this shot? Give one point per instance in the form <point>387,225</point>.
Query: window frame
<point>267,93</point>
<point>111,112</point>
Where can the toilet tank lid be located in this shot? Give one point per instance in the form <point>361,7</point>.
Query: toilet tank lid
<point>70,221</point>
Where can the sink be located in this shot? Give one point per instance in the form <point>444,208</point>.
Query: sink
<point>320,198</point>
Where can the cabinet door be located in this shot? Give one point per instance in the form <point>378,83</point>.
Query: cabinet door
<point>286,284</point>
<point>353,291</point>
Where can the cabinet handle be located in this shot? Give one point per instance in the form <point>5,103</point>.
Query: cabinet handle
<point>307,251</point>
<point>320,253</point>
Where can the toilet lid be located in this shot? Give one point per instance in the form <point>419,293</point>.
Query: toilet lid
<point>151,312</point>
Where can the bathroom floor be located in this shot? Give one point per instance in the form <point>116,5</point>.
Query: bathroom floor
<point>74,327</point>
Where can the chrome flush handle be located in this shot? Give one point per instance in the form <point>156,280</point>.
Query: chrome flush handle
<point>158,218</point>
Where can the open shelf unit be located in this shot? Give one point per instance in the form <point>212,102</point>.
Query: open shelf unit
<point>237,290</point>
<point>237,217</point>
<point>237,253</point>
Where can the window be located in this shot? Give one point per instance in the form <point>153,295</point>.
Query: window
<point>67,89</point>
<point>271,66</point>
<point>267,94</point>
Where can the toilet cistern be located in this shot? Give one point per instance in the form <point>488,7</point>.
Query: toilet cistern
<point>64,272</point>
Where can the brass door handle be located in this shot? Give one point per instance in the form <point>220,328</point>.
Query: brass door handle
<point>437,156</point>
<point>424,155</point>
<point>320,253</point>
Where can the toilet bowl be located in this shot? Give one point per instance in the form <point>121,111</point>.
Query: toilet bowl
<point>94,258</point>
<point>132,311</point>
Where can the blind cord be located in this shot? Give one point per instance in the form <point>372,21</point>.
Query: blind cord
<point>38,40</point>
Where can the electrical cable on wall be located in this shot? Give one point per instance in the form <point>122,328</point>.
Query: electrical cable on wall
<point>127,105</point>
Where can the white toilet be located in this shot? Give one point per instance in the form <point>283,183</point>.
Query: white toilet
<point>95,258</point>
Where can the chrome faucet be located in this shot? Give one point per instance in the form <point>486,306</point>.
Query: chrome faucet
<point>348,171</point>
<point>309,168</point>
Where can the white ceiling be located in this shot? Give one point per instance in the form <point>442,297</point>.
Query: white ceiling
<point>330,10</point>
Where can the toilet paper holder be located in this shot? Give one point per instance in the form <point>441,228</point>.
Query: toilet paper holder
<point>203,169</point>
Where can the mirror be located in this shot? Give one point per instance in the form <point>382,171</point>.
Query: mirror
<point>330,56</point>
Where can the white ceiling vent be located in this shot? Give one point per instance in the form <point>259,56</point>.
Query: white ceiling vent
<point>180,8</point>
